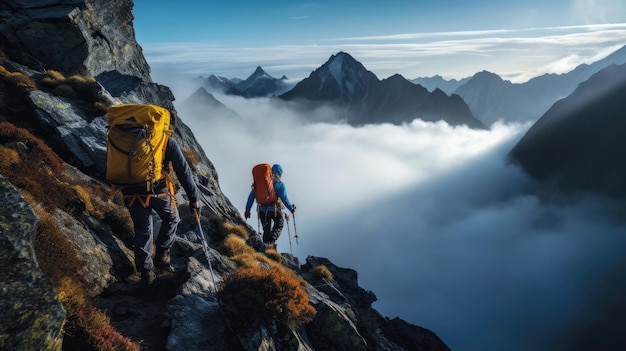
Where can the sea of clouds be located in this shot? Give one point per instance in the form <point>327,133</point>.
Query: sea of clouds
<point>447,233</point>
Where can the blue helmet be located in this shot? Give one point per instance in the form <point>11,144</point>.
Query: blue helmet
<point>277,170</point>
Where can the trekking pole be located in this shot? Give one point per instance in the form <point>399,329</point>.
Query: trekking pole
<point>294,227</point>
<point>205,247</point>
<point>289,233</point>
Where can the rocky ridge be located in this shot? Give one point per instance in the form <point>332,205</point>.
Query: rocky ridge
<point>95,40</point>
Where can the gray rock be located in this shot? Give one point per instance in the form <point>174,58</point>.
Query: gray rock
<point>83,141</point>
<point>32,316</point>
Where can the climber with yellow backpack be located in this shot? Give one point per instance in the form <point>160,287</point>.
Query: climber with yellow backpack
<point>140,150</point>
<point>270,193</point>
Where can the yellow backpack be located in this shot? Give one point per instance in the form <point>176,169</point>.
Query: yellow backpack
<point>136,139</point>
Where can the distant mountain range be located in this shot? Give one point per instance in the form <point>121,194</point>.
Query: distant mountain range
<point>491,98</point>
<point>438,82</point>
<point>356,93</point>
<point>579,143</point>
<point>202,103</point>
<point>344,82</point>
<point>259,84</point>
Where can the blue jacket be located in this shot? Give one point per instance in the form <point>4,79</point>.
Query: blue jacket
<point>279,189</point>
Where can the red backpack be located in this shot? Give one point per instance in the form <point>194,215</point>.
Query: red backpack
<point>263,184</point>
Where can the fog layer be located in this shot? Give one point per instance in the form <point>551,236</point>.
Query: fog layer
<point>437,224</point>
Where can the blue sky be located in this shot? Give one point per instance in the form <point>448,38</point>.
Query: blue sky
<point>455,39</point>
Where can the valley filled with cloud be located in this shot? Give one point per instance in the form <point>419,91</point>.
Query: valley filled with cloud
<point>439,225</point>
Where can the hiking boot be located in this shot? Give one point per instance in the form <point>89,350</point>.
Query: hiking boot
<point>162,261</point>
<point>149,282</point>
<point>148,278</point>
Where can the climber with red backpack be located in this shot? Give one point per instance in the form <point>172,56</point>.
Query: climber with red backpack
<point>270,193</point>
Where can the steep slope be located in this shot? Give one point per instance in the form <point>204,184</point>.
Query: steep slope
<point>344,83</point>
<point>578,144</point>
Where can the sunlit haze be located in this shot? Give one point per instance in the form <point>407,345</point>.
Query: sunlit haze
<point>446,233</point>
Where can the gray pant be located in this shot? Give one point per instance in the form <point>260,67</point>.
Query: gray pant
<point>272,223</point>
<point>142,221</point>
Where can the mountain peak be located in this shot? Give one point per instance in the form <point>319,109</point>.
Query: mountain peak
<point>259,73</point>
<point>488,75</point>
<point>345,83</point>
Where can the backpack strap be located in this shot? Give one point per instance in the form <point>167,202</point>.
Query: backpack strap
<point>139,134</point>
<point>138,137</point>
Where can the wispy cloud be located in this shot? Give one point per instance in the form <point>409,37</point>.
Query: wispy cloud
<point>437,224</point>
<point>484,33</point>
<point>517,55</point>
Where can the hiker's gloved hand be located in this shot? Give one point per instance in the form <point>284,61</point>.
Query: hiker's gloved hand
<point>247,214</point>
<point>193,206</point>
<point>293,208</point>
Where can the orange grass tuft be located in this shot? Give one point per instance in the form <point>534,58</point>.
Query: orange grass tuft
<point>236,229</point>
<point>18,80</point>
<point>259,295</point>
<point>39,170</point>
<point>235,245</point>
<point>58,260</point>
<point>322,272</point>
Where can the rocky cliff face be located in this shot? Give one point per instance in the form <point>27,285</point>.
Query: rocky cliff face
<point>68,280</point>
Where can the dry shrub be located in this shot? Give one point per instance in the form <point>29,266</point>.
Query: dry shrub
<point>273,254</point>
<point>96,198</point>
<point>60,263</point>
<point>55,254</point>
<point>9,133</point>
<point>39,170</point>
<point>236,229</point>
<point>85,87</point>
<point>52,78</point>
<point>86,199</point>
<point>65,90</point>
<point>259,295</point>
<point>8,157</point>
<point>235,245</point>
<point>83,317</point>
<point>18,80</point>
<point>322,272</point>
<point>76,87</point>
<point>77,81</point>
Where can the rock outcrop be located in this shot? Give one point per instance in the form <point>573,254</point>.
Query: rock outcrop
<point>32,316</point>
<point>89,48</point>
